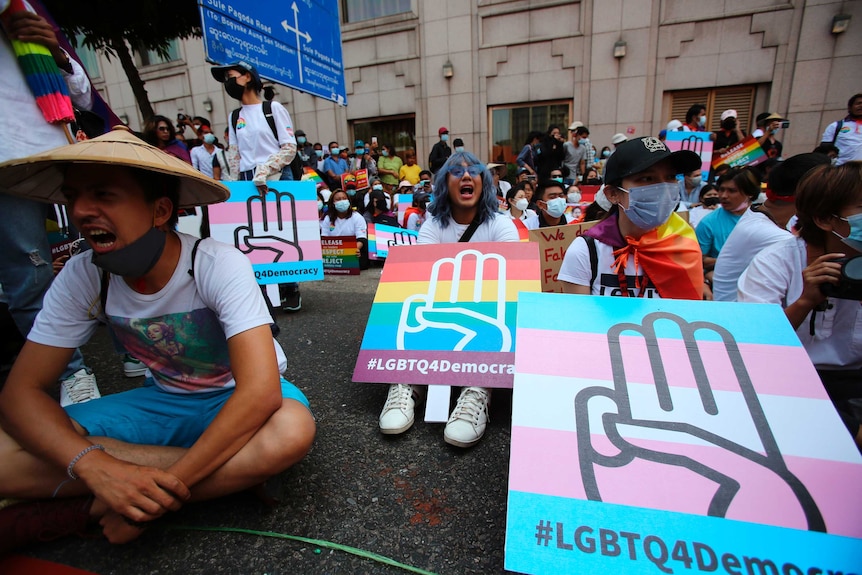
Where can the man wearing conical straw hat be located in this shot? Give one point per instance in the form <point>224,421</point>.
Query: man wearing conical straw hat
<point>214,416</point>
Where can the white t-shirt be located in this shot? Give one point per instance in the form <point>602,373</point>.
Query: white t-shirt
<point>253,137</point>
<point>849,141</point>
<point>753,232</point>
<point>202,160</point>
<point>354,226</point>
<point>180,332</point>
<point>577,269</point>
<point>775,276</point>
<point>497,228</point>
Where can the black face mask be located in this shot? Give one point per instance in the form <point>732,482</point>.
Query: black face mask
<point>233,89</point>
<point>593,182</point>
<point>137,258</point>
<point>710,202</point>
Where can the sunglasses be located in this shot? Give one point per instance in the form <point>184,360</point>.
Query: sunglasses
<point>474,170</point>
<point>163,129</point>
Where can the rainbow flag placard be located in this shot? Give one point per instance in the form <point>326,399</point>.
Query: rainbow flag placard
<point>673,436</point>
<point>745,153</point>
<point>445,314</point>
<point>279,232</point>
<point>340,255</point>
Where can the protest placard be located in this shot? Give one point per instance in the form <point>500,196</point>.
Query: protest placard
<point>359,178</point>
<point>745,153</point>
<point>553,242</point>
<point>340,256</point>
<point>697,142</point>
<point>444,314</point>
<point>385,237</point>
<point>674,436</point>
<point>279,232</point>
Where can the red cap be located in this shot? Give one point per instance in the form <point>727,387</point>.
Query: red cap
<point>442,130</point>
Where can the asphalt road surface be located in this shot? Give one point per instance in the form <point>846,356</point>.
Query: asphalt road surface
<point>411,498</point>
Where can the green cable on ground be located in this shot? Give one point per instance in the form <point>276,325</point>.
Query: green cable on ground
<point>320,542</point>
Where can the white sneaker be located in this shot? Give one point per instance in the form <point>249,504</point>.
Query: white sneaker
<point>132,367</point>
<point>397,415</point>
<point>78,388</point>
<point>467,423</point>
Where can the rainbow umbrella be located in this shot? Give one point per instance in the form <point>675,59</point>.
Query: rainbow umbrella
<point>44,78</point>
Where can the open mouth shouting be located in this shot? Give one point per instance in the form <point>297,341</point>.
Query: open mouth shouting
<point>101,240</point>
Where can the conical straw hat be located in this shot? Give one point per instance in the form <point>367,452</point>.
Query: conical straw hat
<point>39,177</point>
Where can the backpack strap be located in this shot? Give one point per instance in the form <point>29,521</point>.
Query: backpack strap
<point>837,129</point>
<point>471,229</point>
<point>194,253</point>
<point>594,259</point>
<point>234,118</point>
<point>270,119</point>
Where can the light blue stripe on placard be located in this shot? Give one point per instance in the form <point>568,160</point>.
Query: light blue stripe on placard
<point>241,191</point>
<point>748,322</point>
<point>552,535</point>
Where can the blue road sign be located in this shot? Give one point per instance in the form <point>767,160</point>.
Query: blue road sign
<point>296,44</point>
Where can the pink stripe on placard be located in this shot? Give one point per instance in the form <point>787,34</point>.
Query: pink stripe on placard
<point>547,462</point>
<point>773,369</point>
<point>236,213</point>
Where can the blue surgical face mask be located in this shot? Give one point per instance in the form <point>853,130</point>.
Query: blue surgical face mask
<point>459,148</point>
<point>384,153</point>
<point>445,137</point>
<point>606,154</point>
<point>701,121</point>
<point>319,206</point>
<point>583,141</point>
<point>300,139</point>
<point>854,239</point>
<point>351,193</point>
<point>318,153</point>
<point>209,139</point>
<point>377,187</point>
<point>342,205</point>
<point>360,151</point>
<point>556,207</point>
<point>334,151</point>
<point>650,206</point>
<point>558,179</point>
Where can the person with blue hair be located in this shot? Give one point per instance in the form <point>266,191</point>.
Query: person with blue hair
<point>463,208</point>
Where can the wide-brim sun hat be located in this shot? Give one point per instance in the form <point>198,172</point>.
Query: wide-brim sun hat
<point>40,176</point>
<point>635,156</point>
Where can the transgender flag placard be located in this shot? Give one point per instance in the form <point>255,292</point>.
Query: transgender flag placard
<point>280,232</point>
<point>660,436</point>
<point>444,314</point>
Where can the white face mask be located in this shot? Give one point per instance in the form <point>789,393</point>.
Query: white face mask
<point>650,206</point>
<point>556,207</point>
<point>522,204</point>
<point>573,197</point>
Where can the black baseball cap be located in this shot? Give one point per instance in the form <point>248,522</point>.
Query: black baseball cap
<point>218,72</point>
<point>635,156</point>
<point>784,177</point>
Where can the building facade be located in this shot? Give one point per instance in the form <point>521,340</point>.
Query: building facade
<point>491,70</point>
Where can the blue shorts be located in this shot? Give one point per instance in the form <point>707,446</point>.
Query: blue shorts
<point>149,415</point>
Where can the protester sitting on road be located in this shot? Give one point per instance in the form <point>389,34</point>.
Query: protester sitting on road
<point>797,273</point>
<point>518,204</point>
<point>763,225</point>
<point>214,418</point>
<point>738,188</point>
<point>550,199</point>
<point>463,194</point>
<point>642,248</point>
<point>377,212</point>
<point>342,220</point>
<point>707,202</point>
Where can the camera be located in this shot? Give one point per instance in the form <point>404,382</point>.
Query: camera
<point>850,284</point>
<point>785,124</point>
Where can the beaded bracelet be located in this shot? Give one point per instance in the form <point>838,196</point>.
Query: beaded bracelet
<point>70,471</point>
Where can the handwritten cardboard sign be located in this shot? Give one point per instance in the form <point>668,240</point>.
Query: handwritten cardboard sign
<point>279,232</point>
<point>553,243</point>
<point>340,255</point>
<point>671,436</point>
<point>445,313</point>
